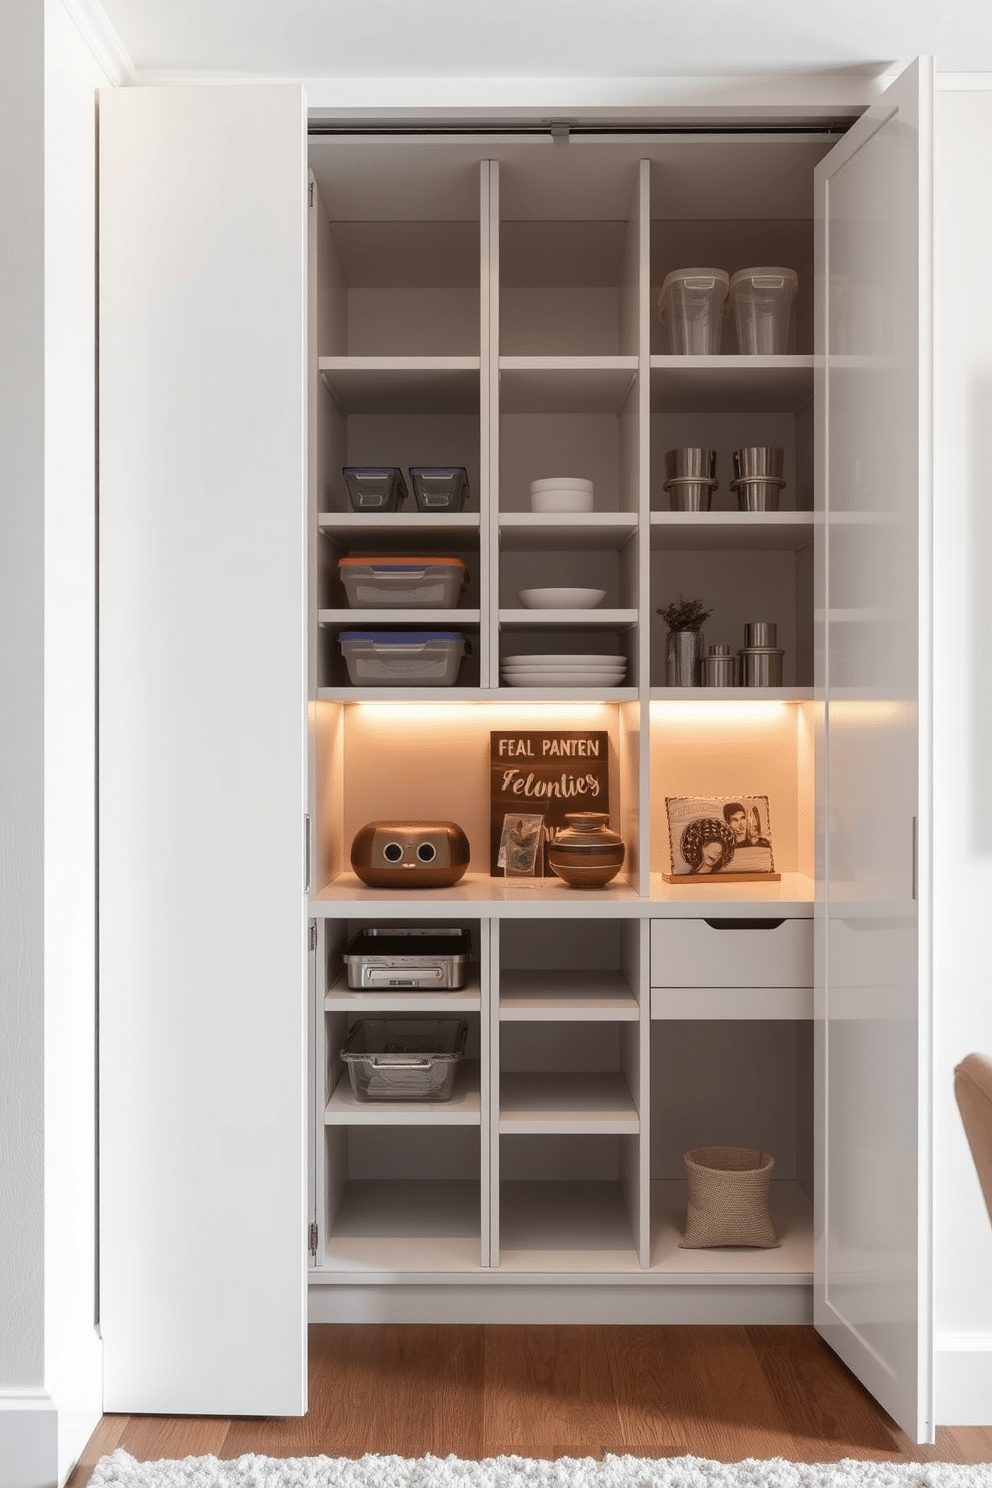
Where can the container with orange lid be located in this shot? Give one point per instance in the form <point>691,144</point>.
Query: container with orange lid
<point>415,583</point>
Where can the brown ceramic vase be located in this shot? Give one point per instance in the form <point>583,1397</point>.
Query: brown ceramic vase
<point>586,854</point>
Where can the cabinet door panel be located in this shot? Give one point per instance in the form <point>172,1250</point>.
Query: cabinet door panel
<point>872,1300</point>
<point>203,962</point>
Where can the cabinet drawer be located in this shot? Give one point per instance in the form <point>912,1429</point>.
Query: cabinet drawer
<point>732,952</point>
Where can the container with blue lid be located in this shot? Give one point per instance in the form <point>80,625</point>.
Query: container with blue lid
<point>403,658</point>
<point>428,583</point>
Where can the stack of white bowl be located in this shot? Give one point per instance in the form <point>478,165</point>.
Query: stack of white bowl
<point>561,493</point>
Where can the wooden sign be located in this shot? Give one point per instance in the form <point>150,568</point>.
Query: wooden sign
<point>546,772</point>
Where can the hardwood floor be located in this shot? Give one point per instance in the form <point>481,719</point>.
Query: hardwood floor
<point>479,1391</point>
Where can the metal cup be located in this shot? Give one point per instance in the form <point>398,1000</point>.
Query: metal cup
<point>691,462</point>
<point>757,493</point>
<point>760,633</point>
<point>759,460</point>
<point>685,494</point>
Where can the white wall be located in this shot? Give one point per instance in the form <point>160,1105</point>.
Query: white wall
<point>49,1359</point>
<point>962,792</point>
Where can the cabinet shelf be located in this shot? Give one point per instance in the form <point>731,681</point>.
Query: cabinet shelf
<point>463,1109</point>
<point>567,384</point>
<point>714,531</point>
<point>572,996</point>
<point>392,617</point>
<point>567,532</point>
<point>344,999</point>
<point>737,384</point>
<point>380,532</point>
<point>747,695</point>
<point>572,1102</point>
<point>522,619</point>
<point>403,384</point>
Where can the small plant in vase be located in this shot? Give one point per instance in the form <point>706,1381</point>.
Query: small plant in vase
<point>684,642</point>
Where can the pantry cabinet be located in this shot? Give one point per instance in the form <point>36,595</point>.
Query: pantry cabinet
<point>491,303</point>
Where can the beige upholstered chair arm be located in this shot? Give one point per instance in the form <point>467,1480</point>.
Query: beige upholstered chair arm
<point>973,1089</point>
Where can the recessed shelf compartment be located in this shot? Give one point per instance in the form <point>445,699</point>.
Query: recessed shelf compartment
<point>565,384</point>
<point>565,1225</point>
<point>389,1227</point>
<point>731,384</point>
<point>791,1212</point>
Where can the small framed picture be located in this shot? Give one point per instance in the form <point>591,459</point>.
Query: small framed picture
<point>725,836</point>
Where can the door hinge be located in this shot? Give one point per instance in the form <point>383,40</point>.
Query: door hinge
<point>313,935</point>
<point>306,854</point>
<point>310,194</point>
<point>312,1238</point>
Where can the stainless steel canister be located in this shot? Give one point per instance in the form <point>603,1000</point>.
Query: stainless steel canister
<point>761,666</point>
<point>760,633</point>
<point>719,668</point>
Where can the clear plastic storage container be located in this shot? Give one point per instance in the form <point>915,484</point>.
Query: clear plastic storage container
<point>691,306</point>
<point>403,658</point>
<point>761,300</point>
<point>406,1059</point>
<point>375,487</point>
<point>439,487</point>
<point>411,583</point>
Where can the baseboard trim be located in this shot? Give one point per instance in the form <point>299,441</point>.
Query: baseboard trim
<point>511,1303</point>
<point>963,1379</point>
<point>43,1432</point>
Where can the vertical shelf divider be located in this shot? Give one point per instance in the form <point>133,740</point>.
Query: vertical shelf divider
<point>486,986</point>
<point>493,1090</point>
<point>490,416</point>
<point>644,525</point>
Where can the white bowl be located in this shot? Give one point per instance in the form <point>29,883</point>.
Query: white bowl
<point>562,499</point>
<point>561,599</point>
<point>557,482</point>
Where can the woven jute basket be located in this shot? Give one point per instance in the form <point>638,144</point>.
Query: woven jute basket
<point>728,1198</point>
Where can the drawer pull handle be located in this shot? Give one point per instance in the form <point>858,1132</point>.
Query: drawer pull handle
<point>745,924</point>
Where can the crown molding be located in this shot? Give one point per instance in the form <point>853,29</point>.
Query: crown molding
<point>103,41</point>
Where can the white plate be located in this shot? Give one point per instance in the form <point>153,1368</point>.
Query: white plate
<point>562,679</point>
<point>600,671</point>
<point>562,659</point>
<point>561,599</point>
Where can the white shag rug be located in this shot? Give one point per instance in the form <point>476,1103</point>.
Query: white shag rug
<point>121,1471</point>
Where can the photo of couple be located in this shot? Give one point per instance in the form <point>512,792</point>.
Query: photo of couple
<point>719,834</point>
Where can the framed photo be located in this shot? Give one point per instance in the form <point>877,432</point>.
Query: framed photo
<point>729,837</point>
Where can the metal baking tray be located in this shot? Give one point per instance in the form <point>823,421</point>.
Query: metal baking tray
<point>393,959</point>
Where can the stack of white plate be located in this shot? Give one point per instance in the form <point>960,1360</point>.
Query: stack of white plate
<point>562,670</point>
<point>561,493</point>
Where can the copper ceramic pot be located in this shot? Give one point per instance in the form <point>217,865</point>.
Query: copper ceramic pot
<point>586,854</point>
